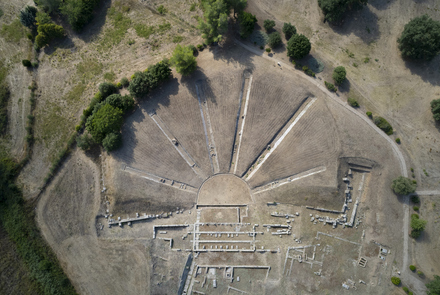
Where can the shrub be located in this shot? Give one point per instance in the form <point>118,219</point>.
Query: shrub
<point>420,273</point>
<point>84,142</point>
<point>247,23</point>
<point>105,120</point>
<point>106,89</point>
<point>125,103</point>
<point>339,75</point>
<point>27,16</point>
<point>184,60</point>
<point>177,39</point>
<point>140,84</point>
<point>435,109</point>
<point>43,18</point>
<point>383,125</point>
<point>434,286</point>
<point>369,114</point>
<point>298,46</point>
<point>289,30</point>
<point>78,12</point>
<point>193,48</point>
<point>112,141</point>
<point>420,38</point>
<point>268,50</point>
<point>27,63</point>
<point>268,24</point>
<point>412,267</point>
<point>200,47</point>
<point>119,85</point>
<point>274,40</point>
<point>353,102</point>
<point>334,10</point>
<point>398,140</point>
<point>47,33</point>
<point>124,82</point>
<point>415,199</point>
<point>78,128</point>
<point>161,9</point>
<point>403,186</point>
<point>405,289</point>
<point>330,86</point>
<point>410,293</point>
<point>395,281</point>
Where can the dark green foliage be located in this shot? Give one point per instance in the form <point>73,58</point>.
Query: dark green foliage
<point>395,281</point>
<point>298,46</point>
<point>143,82</point>
<point>184,60</point>
<point>247,23</point>
<point>26,63</point>
<point>268,50</point>
<point>398,140</point>
<point>112,141</point>
<point>369,114</point>
<point>412,267</point>
<point>435,109</point>
<point>353,102</point>
<point>47,33</point>
<point>159,72</point>
<point>140,84</point>
<point>330,86</point>
<point>48,5</point>
<point>105,120</point>
<point>405,289</point>
<point>289,30</point>
<point>1,12</point>
<point>403,186</point>
<point>43,18</point>
<point>420,38</point>
<point>237,5</point>
<point>308,71</point>
<point>78,12</point>
<point>4,98</point>
<point>434,286</point>
<point>125,103</point>
<point>106,89</point>
<point>125,82</point>
<point>416,208</point>
<point>274,40</point>
<point>334,9</point>
<point>216,21</point>
<point>194,49</point>
<point>161,9</point>
<point>200,47</point>
<point>383,125</point>
<point>339,75</point>
<point>27,16</point>
<point>415,199</point>
<point>417,225</point>
<point>85,141</point>
<point>268,24</point>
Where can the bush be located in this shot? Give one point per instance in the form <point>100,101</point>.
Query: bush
<point>268,50</point>
<point>330,86</point>
<point>421,274</point>
<point>405,289</point>
<point>395,281</point>
<point>434,286</point>
<point>125,103</point>
<point>369,114</point>
<point>119,85</point>
<point>27,63</point>
<point>289,30</point>
<point>78,12</point>
<point>184,60</point>
<point>415,199</point>
<point>420,38</point>
<point>334,10</point>
<point>417,225</point>
<point>161,9</point>
<point>193,49</point>
<point>435,109</point>
<point>398,140</point>
<point>268,24</point>
<point>112,141</point>
<point>140,84</point>
<point>403,186</point>
<point>78,128</point>
<point>47,33</point>
<point>339,75</point>
<point>247,23</point>
<point>412,267</point>
<point>105,120</point>
<point>298,46</point>
<point>106,89</point>
<point>27,16</point>
<point>84,142</point>
<point>200,47</point>
<point>383,125</point>
<point>274,40</point>
<point>125,82</point>
<point>353,102</point>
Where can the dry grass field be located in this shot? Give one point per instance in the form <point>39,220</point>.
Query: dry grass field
<point>125,259</point>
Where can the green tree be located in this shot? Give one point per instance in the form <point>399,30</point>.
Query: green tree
<point>159,72</point>
<point>106,89</point>
<point>125,103</point>
<point>85,141</point>
<point>339,75</point>
<point>184,60</point>
<point>417,225</point>
<point>237,5</point>
<point>289,30</point>
<point>47,33</point>
<point>48,5</point>
<point>274,40</point>
<point>112,141</point>
<point>434,286</point>
<point>247,23</point>
<point>268,24</point>
<point>403,186</point>
<point>27,63</point>
<point>298,46</point>
<point>43,18</point>
<point>216,21</point>
<point>78,12</point>
<point>383,124</point>
<point>420,38</point>
<point>435,109</point>
<point>140,84</point>
<point>106,120</point>
<point>27,16</point>
<point>334,9</point>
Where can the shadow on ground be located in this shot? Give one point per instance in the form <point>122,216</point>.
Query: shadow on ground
<point>429,71</point>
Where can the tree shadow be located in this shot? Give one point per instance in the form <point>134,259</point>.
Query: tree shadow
<point>64,43</point>
<point>380,4</point>
<point>429,71</point>
<point>363,23</point>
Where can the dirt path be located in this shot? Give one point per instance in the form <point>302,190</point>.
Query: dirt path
<point>415,284</point>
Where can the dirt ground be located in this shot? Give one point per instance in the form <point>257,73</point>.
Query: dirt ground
<point>224,189</point>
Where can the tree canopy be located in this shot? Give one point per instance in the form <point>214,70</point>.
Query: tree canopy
<point>289,30</point>
<point>48,32</point>
<point>274,40</point>
<point>435,109</point>
<point>107,119</point>
<point>434,286</point>
<point>268,24</point>
<point>78,12</point>
<point>215,23</point>
<point>143,82</point>
<point>247,23</point>
<point>334,9</point>
<point>112,141</point>
<point>27,16</point>
<point>298,46</point>
<point>420,38</point>
<point>339,75</point>
<point>417,225</point>
<point>403,186</point>
<point>106,89</point>
<point>125,103</point>
<point>237,5</point>
<point>184,60</point>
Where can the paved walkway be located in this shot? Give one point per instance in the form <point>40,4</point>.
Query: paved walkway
<point>416,285</point>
